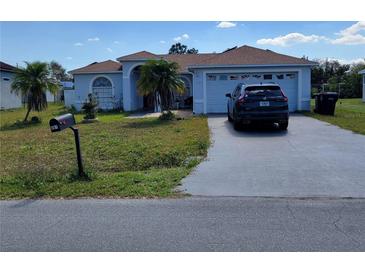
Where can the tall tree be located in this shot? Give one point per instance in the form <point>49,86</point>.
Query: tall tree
<point>192,51</point>
<point>59,72</point>
<point>179,48</point>
<point>160,78</point>
<point>32,83</point>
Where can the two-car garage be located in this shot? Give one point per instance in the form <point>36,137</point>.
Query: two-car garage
<point>218,84</point>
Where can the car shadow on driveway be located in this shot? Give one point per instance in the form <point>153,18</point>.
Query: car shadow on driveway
<point>256,130</point>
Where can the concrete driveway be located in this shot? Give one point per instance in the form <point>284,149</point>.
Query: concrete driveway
<point>311,159</point>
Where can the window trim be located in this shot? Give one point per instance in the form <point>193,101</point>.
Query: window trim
<point>290,75</point>
<point>100,77</point>
<point>233,76</point>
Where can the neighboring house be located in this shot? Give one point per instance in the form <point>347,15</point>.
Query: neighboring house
<point>363,84</point>
<point>208,77</point>
<point>7,98</point>
<point>64,85</point>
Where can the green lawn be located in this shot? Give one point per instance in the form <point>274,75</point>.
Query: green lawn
<point>123,157</point>
<point>349,114</point>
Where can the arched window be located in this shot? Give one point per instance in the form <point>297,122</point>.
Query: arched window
<point>101,82</point>
<point>102,90</point>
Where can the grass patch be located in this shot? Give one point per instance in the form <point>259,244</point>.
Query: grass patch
<point>12,119</point>
<point>123,157</point>
<point>152,183</point>
<point>349,114</point>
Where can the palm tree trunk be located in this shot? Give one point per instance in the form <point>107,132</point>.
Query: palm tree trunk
<point>158,105</point>
<point>26,116</point>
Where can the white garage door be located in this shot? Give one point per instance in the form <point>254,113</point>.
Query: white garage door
<point>218,84</point>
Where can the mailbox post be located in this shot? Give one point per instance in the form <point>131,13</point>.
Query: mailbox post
<point>68,121</point>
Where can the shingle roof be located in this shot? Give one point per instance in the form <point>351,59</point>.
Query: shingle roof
<point>141,55</point>
<point>247,55</point>
<point>186,60</point>
<point>6,67</point>
<point>106,66</point>
<point>244,55</point>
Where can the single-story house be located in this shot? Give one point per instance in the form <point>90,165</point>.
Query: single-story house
<point>9,99</point>
<point>207,77</point>
<point>363,84</point>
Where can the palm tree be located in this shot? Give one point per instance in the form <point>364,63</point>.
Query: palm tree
<point>160,78</point>
<point>32,83</point>
<point>58,71</point>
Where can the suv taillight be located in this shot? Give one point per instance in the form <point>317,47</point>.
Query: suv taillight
<point>241,100</point>
<point>284,97</point>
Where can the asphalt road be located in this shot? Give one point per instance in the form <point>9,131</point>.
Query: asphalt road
<point>190,224</point>
<point>312,158</point>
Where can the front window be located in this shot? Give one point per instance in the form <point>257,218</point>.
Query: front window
<point>263,91</point>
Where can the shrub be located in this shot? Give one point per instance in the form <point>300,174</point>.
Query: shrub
<point>167,116</point>
<point>89,107</point>
<point>35,120</point>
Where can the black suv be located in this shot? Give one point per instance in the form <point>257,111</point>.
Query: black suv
<point>258,102</point>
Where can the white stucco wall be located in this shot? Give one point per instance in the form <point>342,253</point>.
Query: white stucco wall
<point>8,99</point>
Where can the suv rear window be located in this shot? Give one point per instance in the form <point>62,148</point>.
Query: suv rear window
<point>263,91</point>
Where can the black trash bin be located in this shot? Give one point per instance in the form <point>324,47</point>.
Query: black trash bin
<point>325,102</point>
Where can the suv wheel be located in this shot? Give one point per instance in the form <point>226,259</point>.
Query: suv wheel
<point>284,125</point>
<point>229,117</point>
<point>236,125</point>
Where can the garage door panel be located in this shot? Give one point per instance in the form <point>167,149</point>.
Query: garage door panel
<point>217,88</point>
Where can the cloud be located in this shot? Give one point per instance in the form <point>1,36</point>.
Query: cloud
<point>351,35</point>
<point>290,39</point>
<point>226,25</point>
<point>93,39</point>
<point>109,49</point>
<point>78,44</point>
<point>69,58</point>
<point>184,36</point>
<point>116,42</point>
<point>163,42</point>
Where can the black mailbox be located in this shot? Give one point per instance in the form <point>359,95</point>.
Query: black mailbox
<point>68,121</point>
<point>62,122</point>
